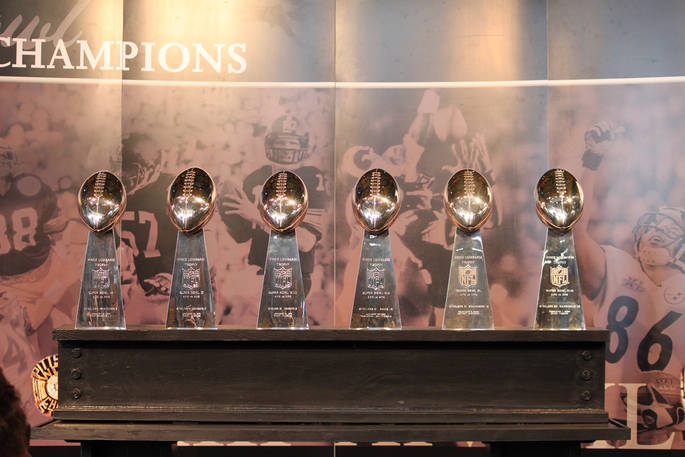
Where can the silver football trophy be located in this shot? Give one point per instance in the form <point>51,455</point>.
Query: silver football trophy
<point>376,203</point>
<point>191,201</point>
<point>559,204</point>
<point>468,202</point>
<point>283,205</point>
<point>101,202</point>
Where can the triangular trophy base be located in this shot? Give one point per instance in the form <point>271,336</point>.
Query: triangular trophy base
<point>559,303</point>
<point>100,305</point>
<point>376,306</point>
<point>283,299</point>
<point>467,305</point>
<point>191,302</point>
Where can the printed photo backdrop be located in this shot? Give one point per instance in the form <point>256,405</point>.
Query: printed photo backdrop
<point>152,101</point>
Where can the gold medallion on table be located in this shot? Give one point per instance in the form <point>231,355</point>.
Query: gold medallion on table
<point>44,377</point>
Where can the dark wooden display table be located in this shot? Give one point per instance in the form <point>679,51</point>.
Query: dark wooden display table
<point>149,384</point>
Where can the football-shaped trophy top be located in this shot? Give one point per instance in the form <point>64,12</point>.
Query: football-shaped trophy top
<point>284,201</point>
<point>376,200</point>
<point>101,201</point>
<point>191,200</point>
<point>468,199</point>
<point>558,199</point>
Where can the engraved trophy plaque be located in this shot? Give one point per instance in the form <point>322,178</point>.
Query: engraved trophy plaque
<point>283,205</point>
<point>559,204</point>
<point>101,202</point>
<point>376,203</point>
<point>190,203</point>
<point>468,202</point>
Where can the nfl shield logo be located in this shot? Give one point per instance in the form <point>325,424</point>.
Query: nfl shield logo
<point>375,277</point>
<point>101,276</point>
<point>468,275</point>
<point>283,278</point>
<point>559,276</point>
<point>191,277</point>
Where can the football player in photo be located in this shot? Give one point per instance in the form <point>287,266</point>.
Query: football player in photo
<point>33,281</point>
<point>147,236</point>
<point>638,296</point>
<point>286,146</point>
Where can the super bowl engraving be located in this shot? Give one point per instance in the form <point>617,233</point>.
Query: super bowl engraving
<point>468,203</point>
<point>191,200</point>
<point>559,204</point>
<point>101,203</point>
<point>376,204</point>
<point>283,206</point>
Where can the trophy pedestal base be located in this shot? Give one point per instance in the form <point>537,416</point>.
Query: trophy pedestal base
<point>331,385</point>
<point>154,439</point>
<point>333,375</point>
